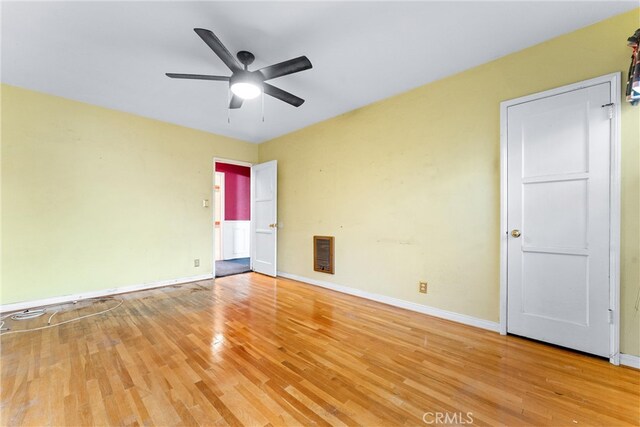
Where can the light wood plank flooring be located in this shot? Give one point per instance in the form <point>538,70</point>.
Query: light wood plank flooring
<point>256,351</point>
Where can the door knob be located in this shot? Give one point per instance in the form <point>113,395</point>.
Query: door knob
<point>273,225</point>
<point>515,233</point>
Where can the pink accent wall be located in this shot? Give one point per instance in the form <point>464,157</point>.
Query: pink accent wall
<point>237,191</point>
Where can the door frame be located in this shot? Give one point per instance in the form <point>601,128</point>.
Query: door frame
<point>614,202</point>
<point>213,208</point>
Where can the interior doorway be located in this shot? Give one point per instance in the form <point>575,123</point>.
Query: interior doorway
<point>232,217</point>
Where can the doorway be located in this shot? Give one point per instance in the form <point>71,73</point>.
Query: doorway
<point>560,219</point>
<point>232,217</point>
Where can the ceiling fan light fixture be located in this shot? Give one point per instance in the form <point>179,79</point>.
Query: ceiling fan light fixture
<point>246,90</point>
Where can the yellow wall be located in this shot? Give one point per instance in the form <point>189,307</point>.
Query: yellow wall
<point>410,185</point>
<point>95,199</point>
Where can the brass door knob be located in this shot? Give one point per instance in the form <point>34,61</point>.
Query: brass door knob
<point>515,233</point>
<point>273,225</point>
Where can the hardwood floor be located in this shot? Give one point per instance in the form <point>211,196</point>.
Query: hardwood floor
<point>252,350</point>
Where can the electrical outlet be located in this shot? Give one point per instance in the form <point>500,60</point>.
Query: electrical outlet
<point>196,263</point>
<point>423,288</point>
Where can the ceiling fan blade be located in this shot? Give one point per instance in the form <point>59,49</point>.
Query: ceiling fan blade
<point>282,95</point>
<point>236,102</point>
<point>197,77</point>
<point>291,66</point>
<point>216,45</point>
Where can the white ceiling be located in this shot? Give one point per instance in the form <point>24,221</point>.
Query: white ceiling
<point>115,54</point>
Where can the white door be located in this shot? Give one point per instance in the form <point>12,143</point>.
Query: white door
<point>558,216</point>
<point>264,205</point>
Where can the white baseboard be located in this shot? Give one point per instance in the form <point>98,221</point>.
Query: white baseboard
<point>630,360</point>
<point>424,309</point>
<point>4,308</point>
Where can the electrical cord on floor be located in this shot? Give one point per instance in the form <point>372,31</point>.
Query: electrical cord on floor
<point>2,322</point>
<point>51,317</point>
<point>28,314</point>
<point>49,325</point>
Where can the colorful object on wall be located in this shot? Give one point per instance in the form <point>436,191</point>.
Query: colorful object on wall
<point>633,81</point>
<point>237,191</point>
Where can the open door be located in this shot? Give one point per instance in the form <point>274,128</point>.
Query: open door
<point>264,206</point>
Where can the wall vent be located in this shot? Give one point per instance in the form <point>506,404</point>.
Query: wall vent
<point>323,254</point>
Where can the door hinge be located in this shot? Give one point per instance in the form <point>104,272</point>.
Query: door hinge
<point>609,107</point>
<point>610,316</point>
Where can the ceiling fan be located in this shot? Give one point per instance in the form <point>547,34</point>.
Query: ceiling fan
<point>245,84</point>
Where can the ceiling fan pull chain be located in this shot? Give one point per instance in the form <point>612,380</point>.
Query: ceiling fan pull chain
<point>228,109</point>
<point>262,106</point>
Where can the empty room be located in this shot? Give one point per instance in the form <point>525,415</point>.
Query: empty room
<point>319,213</point>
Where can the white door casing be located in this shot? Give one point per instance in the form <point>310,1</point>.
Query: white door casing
<point>218,215</point>
<point>560,194</point>
<point>264,205</point>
